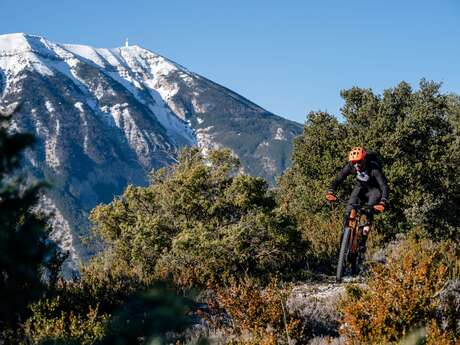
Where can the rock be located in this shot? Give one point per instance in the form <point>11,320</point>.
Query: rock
<point>316,305</point>
<point>327,341</point>
<point>448,311</point>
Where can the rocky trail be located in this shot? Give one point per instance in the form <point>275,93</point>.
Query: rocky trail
<point>315,303</point>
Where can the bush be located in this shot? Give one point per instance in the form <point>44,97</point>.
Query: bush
<point>105,307</point>
<point>258,315</point>
<point>260,244</point>
<point>51,323</point>
<point>323,234</point>
<point>200,221</point>
<point>78,311</point>
<point>403,295</point>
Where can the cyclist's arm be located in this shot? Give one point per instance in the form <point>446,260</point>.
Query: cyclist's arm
<point>382,181</point>
<point>340,177</point>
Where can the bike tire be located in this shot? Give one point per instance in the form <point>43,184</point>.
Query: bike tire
<point>343,254</point>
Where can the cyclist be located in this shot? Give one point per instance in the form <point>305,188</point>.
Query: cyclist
<point>371,187</point>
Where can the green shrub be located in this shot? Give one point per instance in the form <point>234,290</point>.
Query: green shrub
<point>106,307</point>
<point>198,221</point>
<point>323,234</point>
<point>259,245</point>
<point>50,323</point>
<point>78,311</point>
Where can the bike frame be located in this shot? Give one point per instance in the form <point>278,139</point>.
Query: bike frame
<point>350,238</point>
<point>353,221</point>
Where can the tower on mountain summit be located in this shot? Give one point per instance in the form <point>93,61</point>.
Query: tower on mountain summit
<point>126,43</point>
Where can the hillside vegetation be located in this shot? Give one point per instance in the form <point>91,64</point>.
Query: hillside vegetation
<point>204,243</point>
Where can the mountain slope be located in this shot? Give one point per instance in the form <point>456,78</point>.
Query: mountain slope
<point>104,118</point>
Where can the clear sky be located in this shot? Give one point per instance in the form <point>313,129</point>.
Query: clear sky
<point>290,57</point>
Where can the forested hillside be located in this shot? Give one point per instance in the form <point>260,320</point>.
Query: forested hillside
<point>207,254</point>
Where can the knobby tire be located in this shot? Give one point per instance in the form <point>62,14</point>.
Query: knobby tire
<point>344,248</point>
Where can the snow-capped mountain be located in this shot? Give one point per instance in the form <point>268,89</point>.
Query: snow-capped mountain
<point>104,118</point>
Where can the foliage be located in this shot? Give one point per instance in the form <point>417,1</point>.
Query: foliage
<point>416,135</point>
<point>106,307</point>
<point>323,235</point>
<point>259,314</point>
<point>203,223</point>
<point>403,294</point>
<point>200,221</point>
<point>24,248</point>
<point>316,156</point>
<point>50,323</point>
<point>152,315</point>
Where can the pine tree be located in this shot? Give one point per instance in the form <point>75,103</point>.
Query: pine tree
<point>24,245</point>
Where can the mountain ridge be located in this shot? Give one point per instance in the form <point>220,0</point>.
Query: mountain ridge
<point>104,118</point>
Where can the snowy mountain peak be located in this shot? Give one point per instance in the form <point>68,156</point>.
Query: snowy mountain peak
<point>17,43</point>
<point>137,70</point>
<point>105,117</point>
<point>30,51</point>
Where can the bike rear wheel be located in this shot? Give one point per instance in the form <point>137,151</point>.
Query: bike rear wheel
<point>343,255</point>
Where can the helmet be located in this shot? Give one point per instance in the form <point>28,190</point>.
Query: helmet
<point>357,154</point>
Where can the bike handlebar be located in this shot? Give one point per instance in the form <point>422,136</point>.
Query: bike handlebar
<point>357,206</point>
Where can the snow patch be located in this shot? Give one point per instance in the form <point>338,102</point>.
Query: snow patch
<point>205,140</point>
<point>49,106</point>
<point>79,106</point>
<point>134,135</point>
<point>87,52</point>
<point>40,128</point>
<point>280,135</point>
<point>50,147</point>
<point>180,131</point>
<point>68,69</point>
<point>199,107</point>
<point>263,144</point>
<point>25,52</point>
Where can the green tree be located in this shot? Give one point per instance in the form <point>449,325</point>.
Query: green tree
<point>24,245</point>
<point>416,135</point>
<point>199,220</point>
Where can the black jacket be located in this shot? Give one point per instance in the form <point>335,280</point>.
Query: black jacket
<point>371,177</point>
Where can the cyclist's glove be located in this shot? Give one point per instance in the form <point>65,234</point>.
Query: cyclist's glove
<point>330,196</point>
<point>380,207</point>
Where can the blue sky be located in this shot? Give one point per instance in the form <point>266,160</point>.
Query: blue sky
<point>290,57</point>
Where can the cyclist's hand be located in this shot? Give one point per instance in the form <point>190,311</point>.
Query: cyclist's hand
<point>380,207</point>
<point>330,197</point>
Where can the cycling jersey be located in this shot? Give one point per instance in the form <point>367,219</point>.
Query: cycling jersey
<point>369,178</point>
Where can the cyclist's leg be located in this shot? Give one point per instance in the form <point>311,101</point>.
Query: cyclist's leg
<point>355,198</point>
<point>372,196</point>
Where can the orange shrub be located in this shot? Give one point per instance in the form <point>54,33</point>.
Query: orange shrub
<point>402,295</point>
<point>259,314</point>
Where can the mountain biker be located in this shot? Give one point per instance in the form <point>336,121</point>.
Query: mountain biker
<point>371,187</point>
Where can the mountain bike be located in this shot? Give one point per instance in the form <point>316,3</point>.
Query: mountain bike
<point>350,255</point>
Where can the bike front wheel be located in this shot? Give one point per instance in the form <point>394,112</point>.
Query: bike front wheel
<point>343,254</point>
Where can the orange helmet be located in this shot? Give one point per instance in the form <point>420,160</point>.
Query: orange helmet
<point>357,154</point>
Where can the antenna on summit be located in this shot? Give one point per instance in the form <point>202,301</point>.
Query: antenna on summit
<point>126,43</point>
